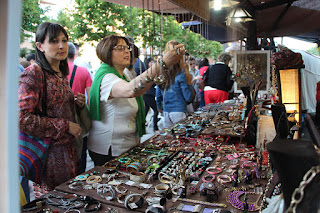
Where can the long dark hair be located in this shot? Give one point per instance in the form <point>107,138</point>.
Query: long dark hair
<point>52,30</point>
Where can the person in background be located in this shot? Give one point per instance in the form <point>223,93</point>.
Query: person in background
<point>150,98</point>
<point>317,118</point>
<point>195,82</point>
<point>116,104</point>
<point>203,67</point>
<point>172,99</point>
<point>31,58</point>
<point>80,84</point>
<point>25,64</point>
<point>218,81</point>
<point>139,67</point>
<point>79,61</point>
<point>59,125</point>
<point>82,79</point>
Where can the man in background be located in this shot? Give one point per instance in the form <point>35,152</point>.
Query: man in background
<point>80,82</point>
<point>31,58</point>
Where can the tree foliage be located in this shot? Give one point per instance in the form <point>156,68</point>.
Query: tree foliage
<point>91,20</point>
<point>313,50</point>
<point>31,17</point>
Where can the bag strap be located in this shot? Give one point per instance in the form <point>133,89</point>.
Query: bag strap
<point>73,74</point>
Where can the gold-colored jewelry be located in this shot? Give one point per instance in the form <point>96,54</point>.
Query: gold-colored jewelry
<point>94,179</point>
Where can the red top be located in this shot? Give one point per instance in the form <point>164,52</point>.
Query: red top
<point>82,79</point>
<point>318,92</point>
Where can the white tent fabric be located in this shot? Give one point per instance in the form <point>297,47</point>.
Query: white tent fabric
<point>310,76</point>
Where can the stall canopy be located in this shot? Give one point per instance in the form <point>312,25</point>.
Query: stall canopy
<point>269,18</point>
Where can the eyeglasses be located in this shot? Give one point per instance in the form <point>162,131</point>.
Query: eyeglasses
<point>122,47</point>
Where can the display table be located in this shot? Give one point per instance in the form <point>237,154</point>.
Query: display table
<point>148,188</point>
<point>181,169</point>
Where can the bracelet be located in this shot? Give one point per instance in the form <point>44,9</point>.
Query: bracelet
<point>137,177</point>
<point>135,166</point>
<point>72,210</point>
<point>209,170</point>
<point>153,159</point>
<point>133,205</point>
<point>76,185</point>
<point>102,189</point>
<point>161,189</point>
<point>162,64</point>
<point>224,179</point>
<point>82,177</point>
<point>205,177</point>
<point>35,204</point>
<point>121,197</point>
<point>124,160</point>
<point>121,189</point>
<point>94,179</point>
<point>94,209</point>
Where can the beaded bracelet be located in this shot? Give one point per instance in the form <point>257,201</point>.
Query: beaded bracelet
<point>233,199</point>
<point>124,160</point>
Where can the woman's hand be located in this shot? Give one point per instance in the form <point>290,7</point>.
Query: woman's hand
<point>80,99</point>
<point>174,55</point>
<point>74,129</point>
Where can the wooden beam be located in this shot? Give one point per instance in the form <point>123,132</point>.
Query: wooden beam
<point>273,3</point>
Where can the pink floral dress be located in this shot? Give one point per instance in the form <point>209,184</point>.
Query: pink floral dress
<point>62,163</point>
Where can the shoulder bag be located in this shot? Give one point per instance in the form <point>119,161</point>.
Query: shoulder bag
<point>32,150</point>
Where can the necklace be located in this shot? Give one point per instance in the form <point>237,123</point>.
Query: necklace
<point>61,77</point>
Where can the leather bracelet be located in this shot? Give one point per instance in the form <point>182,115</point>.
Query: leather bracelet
<point>136,205</point>
<point>213,168</point>
<point>94,209</point>
<point>35,204</point>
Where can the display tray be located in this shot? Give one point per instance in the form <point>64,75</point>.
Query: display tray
<point>141,155</point>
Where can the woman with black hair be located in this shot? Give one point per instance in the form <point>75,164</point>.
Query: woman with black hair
<point>47,80</point>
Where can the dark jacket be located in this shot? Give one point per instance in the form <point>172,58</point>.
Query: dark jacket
<point>219,76</point>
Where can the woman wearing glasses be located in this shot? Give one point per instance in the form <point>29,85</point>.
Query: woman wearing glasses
<point>116,105</point>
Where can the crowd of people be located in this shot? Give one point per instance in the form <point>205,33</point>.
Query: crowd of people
<point>117,99</point>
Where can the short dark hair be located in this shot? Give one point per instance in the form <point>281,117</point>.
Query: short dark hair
<point>52,30</point>
<point>71,50</point>
<point>203,62</point>
<point>105,47</point>
<point>31,56</point>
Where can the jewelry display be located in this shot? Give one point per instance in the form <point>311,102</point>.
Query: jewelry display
<point>233,199</point>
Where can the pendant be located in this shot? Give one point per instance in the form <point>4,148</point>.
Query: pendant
<point>135,89</point>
